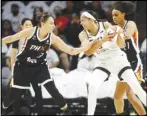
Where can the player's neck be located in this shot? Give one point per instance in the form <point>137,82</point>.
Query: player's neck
<point>43,32</point>
<point>122,24</point>
<point>94,29</point>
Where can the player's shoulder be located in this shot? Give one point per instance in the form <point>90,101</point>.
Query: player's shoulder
<point>131,23</point>
<point>107,24</point>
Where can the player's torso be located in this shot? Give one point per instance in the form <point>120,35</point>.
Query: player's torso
<point>109,48</point>
<point>132,49</point>
<point>33,50</point>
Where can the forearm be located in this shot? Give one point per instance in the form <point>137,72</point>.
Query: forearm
<point>93,48</point>
<point>22,34</point>
<point>75,51</point>
<point>7,39</point>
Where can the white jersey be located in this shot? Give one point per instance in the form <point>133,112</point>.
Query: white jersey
<point>110,56</point>
<point>109,48</point>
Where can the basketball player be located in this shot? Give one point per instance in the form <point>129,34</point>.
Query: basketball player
<point>16,46</point>
<point>119,12</point>
<point>112,58</point>
<point>31,60</point>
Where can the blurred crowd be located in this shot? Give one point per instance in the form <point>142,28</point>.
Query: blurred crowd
<point>67,20</point>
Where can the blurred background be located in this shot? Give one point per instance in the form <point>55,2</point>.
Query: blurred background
<point>67,20</point>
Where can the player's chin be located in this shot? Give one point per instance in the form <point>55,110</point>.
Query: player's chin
<point>115,21</point>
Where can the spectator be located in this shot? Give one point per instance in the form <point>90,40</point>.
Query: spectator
<point>7,7</point>
<point>14,17</point>
<point>69,10</point>
<point>53,5</point>
<point>107,6</point>
<point>33,4</point>
<point>6,30</point>
<point>64,59</point>
<point>78,6</point>
<point>6,73</point>
<point>52,58</point>
<point>4,49</point>
<point>96,6</point>
<point>60,20</point>
<point>71,32</point>
<point>37,11</point>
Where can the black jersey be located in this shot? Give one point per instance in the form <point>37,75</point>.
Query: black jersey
<point>33,50</point>
<point>132,49</point>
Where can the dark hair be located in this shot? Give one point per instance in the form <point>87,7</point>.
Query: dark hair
<point>95,15</point>
<point>42,18</point>
<point>35,22</point>
<point>125,7</point>
<point>24,20</point>
<point>8,21</point>
<point>14,5</point>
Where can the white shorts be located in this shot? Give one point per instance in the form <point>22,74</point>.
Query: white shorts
<point>115,63</point>
<point>88,63</point>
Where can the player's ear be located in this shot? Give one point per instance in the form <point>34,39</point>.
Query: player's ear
<point>123,14</point>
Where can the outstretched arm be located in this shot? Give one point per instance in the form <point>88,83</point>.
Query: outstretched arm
<point>58,43</point>
<point>22,34</point>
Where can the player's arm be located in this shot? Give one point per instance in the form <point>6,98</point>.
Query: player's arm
<point>119,39</point>
<point>98,44</point>
<point>107,25</point>
<point>22,34</point>
<point>83,39</point>
<point>58,43</point>
<point>84,42</point>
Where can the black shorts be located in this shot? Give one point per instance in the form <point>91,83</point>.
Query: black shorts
<point>137,68</point>
<point>134,65</point>
<point>23,75</point>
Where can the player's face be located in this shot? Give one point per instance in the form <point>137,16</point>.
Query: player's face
<point>117,16</point>
<point>27,24</point>
<point>85,22</point>
<point>50,24</point>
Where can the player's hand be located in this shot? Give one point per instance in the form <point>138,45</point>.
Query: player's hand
<point>108,36</point>
<point>88,46</point>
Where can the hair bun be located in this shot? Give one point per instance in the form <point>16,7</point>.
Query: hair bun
<point>125,6</point>
<point>130,7</point>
